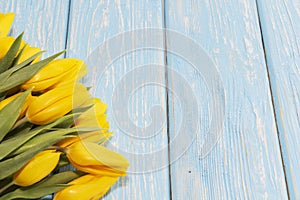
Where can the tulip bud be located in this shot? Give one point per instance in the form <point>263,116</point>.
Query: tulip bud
<point>37,168</point>
<point>86,187</point>
<point>6,101</point>
<point>56,74</point>
<point>56,103</point>
<point>94,117</point>
<point>96,159</point>
<point>28,52</point>
<point>6,21</point>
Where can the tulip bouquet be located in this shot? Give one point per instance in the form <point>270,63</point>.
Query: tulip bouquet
<point>49,120</point>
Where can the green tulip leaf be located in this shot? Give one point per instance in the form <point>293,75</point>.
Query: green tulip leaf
<point>45,187</point>
<point>81,109</point>
<point>59,178</point>
<point>10,113</point>
<point>33,193</point>
<point>26,73</point>
<point>35,145</point>
<point>63,161</point>
<point>17,58</point>
<point>8,59</point>
<point>13,143</point>
<point>20,130</point>
<point>7,73</point>
<point>49,138</point>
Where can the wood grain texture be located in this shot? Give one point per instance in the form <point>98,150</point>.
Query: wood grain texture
<point>44,22</point>
<point>246,162</point>
<point>280,29</point>
<point>91,24</point>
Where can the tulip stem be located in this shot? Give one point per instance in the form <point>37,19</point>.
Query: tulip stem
<point>20,122</point>
<point>57,148</point>
<point>6,187</point>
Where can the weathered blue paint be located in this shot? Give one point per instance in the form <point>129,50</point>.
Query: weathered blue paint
<point>247,162</point>
<point>280,30</point>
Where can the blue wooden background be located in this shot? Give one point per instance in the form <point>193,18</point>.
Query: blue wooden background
<point>256,47</point>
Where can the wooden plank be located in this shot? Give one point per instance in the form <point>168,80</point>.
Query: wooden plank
<point>246,162</point>
<point>280,30</point>
<point>44,22</point>
<point>92,24</point>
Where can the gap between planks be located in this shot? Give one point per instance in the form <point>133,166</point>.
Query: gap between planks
<point>272,97</point>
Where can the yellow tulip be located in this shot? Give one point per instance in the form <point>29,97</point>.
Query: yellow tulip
<point>96,137</point>
<point>57,73</point>
<point>6,21</point>
<point>96,159</point>
<point>6,101</point>
<point>5,44</point>
<point>28,52</point>
<point>94,117</point>
<point>56,103</point>
<point>86,187</point>
<point>37,168</point>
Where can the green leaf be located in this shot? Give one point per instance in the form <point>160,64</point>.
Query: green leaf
<point>47,186</point>
<point>69,121</point>
<point>26,73</point>
<point>10,113</point>
<point>17,58</point>
<point>11,165</point>
<point>20,130</point>
<point>11,144</point>
<point>14,142</point>
<point>8,59</point>
<point>63,161</point>
<point>7,73</point>
<point>49,138</point>
<point>81,109</point>
<point>33,193</point>
<point>60,178</point>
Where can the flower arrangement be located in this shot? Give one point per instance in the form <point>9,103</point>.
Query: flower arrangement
<point>49,120</point>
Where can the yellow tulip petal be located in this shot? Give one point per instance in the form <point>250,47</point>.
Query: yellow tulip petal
<point>72,77</point>
<point>54,111</point>
<point>81,96</point>
<point>94,117</point>
<point>37,168</point>
<point>6,21</point>
<point>47,99</point>
<point>86,187</point>
<point>28,52</point>
<point>87,155</point>
<point>56,103</point>
<point>42,85</point>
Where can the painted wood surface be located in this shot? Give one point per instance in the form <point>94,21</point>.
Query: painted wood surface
<point>280,30</point>
<point>246,163</point>
<point>93,23</point>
